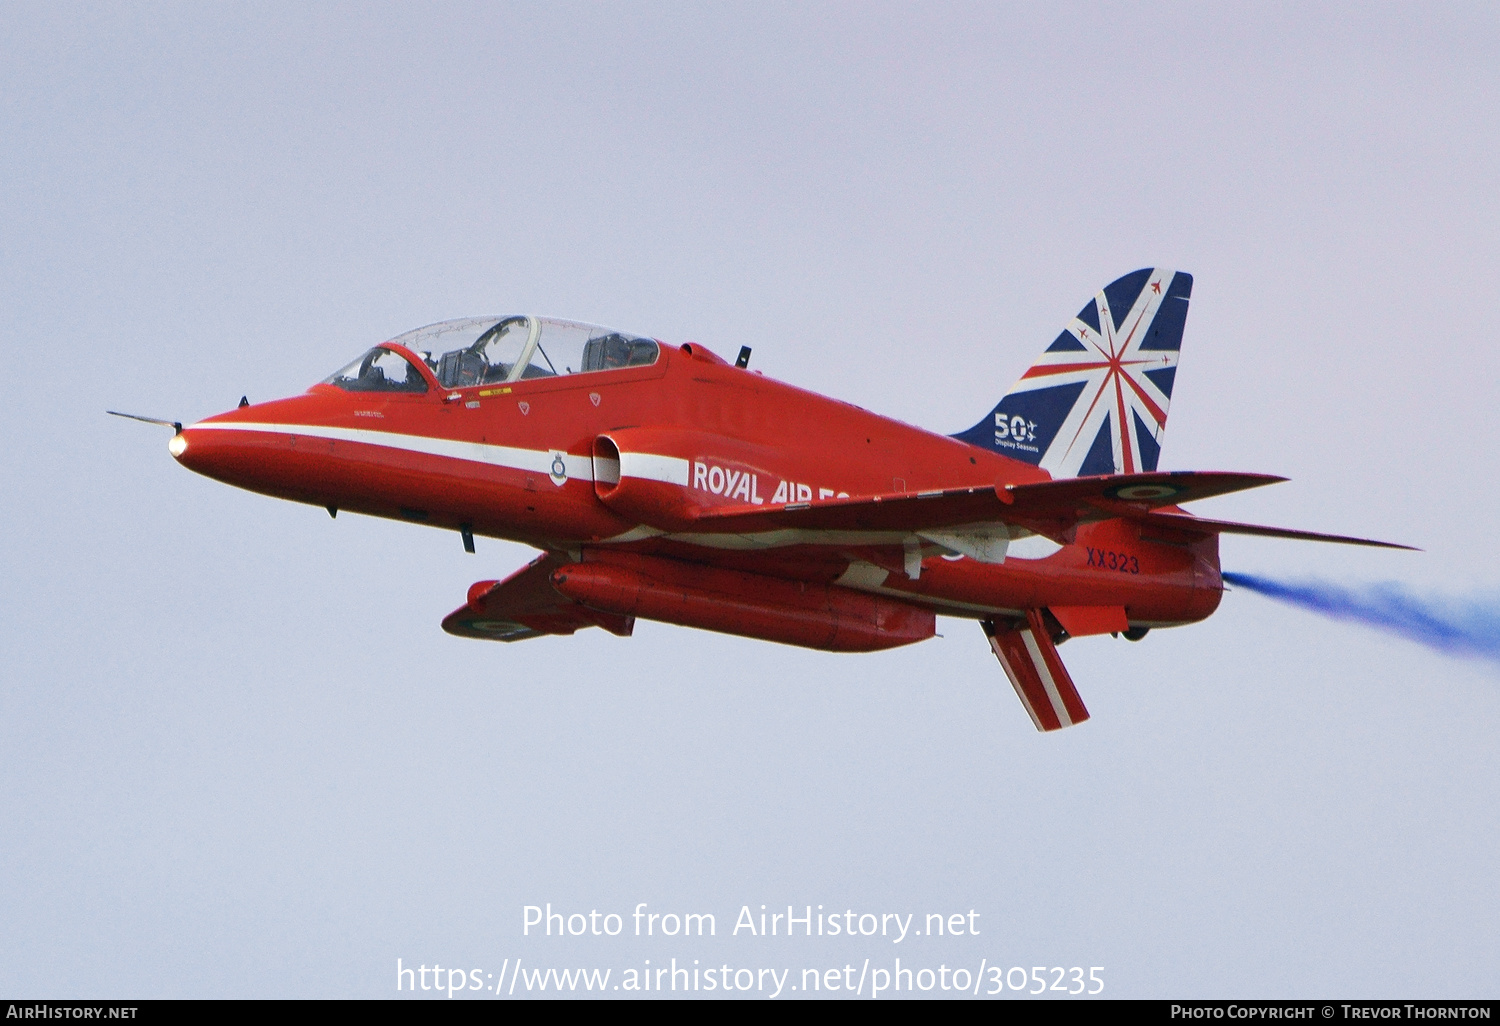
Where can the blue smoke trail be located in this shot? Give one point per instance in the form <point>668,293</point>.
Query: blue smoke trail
<point>1462,627</point>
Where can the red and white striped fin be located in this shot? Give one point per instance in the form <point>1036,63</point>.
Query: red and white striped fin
<point>1036,672</point>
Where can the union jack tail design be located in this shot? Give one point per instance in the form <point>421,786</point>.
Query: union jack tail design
<point>1096,402</point>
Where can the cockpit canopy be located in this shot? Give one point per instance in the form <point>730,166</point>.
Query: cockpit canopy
<point>489,350</point>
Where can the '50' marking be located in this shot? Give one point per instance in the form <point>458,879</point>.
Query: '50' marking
<point>1104,559</point>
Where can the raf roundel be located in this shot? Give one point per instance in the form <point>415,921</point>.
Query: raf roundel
<point>1145,492</point>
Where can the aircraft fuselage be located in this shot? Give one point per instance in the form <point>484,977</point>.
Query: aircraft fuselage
<point>523,461</point>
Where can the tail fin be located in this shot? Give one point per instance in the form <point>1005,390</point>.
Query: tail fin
<point>1111,369</point>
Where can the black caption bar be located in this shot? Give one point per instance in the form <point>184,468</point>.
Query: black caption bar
<point>1046,1010</point>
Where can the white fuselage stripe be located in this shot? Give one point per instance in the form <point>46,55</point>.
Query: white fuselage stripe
<point>644,466</point>
<point>666,469</point>
<point>538,461</point>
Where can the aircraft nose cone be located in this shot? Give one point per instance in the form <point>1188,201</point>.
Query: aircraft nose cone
<point>214,453</point>
<point>265,449</point>
<point>195,450</point>
<point>261,455</point>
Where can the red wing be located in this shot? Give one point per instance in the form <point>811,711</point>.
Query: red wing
<point>525,605</point>
<point>1054,508</point>
<point>1051,508</point>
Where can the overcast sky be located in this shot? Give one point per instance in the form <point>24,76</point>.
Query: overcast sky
<point>238,757</point>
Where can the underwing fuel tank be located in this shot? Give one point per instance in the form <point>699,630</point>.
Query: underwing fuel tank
<point>819,616</point>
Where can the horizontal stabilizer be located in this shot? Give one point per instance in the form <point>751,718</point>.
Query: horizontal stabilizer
<point>1041,681</point>
<point>1181,522</point>
<point>525,605</point>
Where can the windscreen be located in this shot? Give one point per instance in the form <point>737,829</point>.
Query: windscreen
<point>379,370</point>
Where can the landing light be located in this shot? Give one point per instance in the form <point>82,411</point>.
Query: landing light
<point>177,446</point>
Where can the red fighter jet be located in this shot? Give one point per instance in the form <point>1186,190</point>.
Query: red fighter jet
<point>663,482</point>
